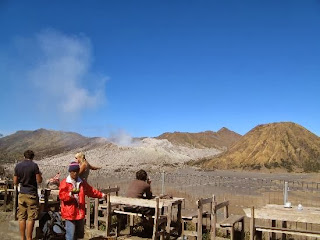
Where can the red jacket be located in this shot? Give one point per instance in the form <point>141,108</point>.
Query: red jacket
<point>73,206</point>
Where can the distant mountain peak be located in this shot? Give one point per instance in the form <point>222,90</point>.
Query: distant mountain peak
<point>224,129</point>
<point>284,145</point>
<point>44,143</point>
<point>222,139</point>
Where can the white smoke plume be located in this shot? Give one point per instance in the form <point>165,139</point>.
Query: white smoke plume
<point>62,72</point>
<point>122,138</point>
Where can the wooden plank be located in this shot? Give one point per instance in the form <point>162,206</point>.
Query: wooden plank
<point>200,219</point>
<point>129,213</point>
<point>108,217</point>
<point>206,200</point>
<point>156,220</point>
<point>222,204</point>
<point>226,211</point>
<point>179,218</point>
<point>111,190</point>
<point>252,224</point>
<point>88,212</point>
<point>230,221</point>
<point>96,206</point>
<point>15,202</point>
<point>5,197</point>
<point>169,216</point>
<point>273,224</point>
<point>8,190</point>
<point>299,232</point>
<point>190,217</point>
<point>135,201</point>
<point>213,227</point>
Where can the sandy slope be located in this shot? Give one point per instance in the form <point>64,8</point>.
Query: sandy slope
<point>149,153</point>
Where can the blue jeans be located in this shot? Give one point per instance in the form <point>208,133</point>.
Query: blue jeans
<point>74,229</point>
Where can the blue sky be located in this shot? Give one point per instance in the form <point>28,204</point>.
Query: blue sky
<point>148,67</point>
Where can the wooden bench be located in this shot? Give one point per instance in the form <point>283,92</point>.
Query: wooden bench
<point>95,201</point>
<point>228,222</point>
<point>6,188</point>
<point>256,231</point>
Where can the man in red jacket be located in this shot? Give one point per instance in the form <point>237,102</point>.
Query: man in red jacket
<point>72,193</point>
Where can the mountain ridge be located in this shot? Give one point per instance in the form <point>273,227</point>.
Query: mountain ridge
<point>282,145</point>
<point>222,139</point>
<point>44,143</point>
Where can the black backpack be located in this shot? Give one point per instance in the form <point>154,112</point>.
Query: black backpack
<point>52,226</point>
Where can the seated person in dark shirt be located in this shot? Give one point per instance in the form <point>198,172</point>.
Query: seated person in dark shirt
<point>140,188</point>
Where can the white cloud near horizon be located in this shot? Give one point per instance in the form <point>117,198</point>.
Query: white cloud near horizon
<point>61,71</point>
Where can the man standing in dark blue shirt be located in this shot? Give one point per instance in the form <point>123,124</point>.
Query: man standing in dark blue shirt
<point>27,175</point>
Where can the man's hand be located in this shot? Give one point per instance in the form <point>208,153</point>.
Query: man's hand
<point>149,181</point>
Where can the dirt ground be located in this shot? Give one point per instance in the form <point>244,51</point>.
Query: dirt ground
<point>6,232</point>
<point>240,187</point>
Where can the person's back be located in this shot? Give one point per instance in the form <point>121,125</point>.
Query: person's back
<point>138,188</point>
<point>85,173</point>
<point>27,175</point>
<point>26,172</point>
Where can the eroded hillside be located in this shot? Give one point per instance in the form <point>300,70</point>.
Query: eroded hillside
<point>223,139</point>
<point>283,145</point>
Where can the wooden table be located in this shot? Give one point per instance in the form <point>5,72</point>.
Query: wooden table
<point>275,212</point>
<point>166,206</point>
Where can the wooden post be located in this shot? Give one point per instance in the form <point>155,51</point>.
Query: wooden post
<point>131,222</point>
<point>252,224</point>
<point>96,213</point>
<point>226,211</point>
<point>15,202</point>
<point>46,199</point>
<point>88,212</point>
<point>284,225</point>
<point>242,229</point>
<point>156,220</point>
<point>179,218</point>
<point>108,220</point>
<point>5,196</point>
<point>273,224</point>
<point>200,220</point>
<point>226,215</point>
<point>232,233</point>
<point>169,216</point>
<point>213,221</point>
